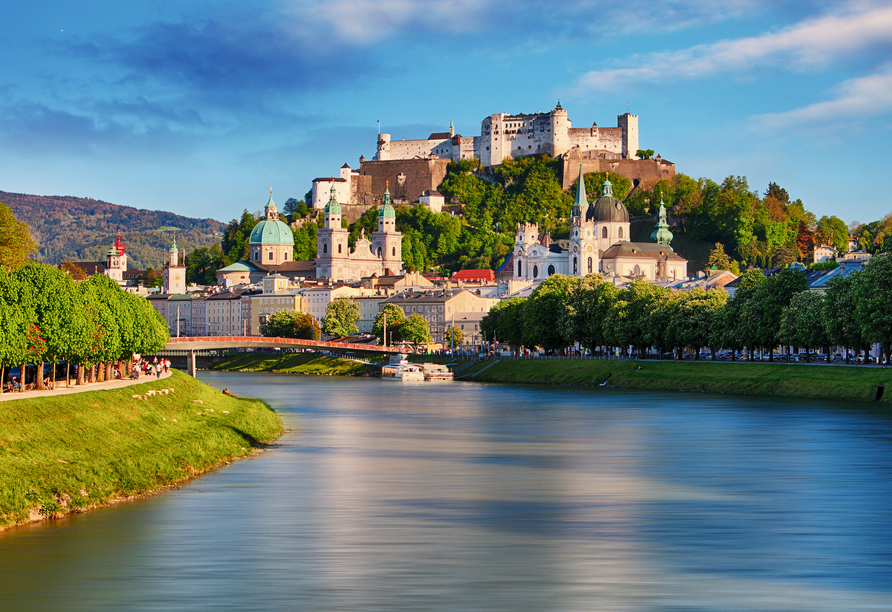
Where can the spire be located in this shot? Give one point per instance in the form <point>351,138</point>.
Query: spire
<point>333,206</point>
<point>173,247</point>
<point>271,212</point>
<point>451,127</point>
<point>581,202</point>
<point>661,234</point>
<point>119,246</point>
<point>559,107</point>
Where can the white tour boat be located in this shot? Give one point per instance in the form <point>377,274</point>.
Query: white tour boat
<point>400,370</point>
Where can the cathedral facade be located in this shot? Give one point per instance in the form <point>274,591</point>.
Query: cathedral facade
<point>382,255</point>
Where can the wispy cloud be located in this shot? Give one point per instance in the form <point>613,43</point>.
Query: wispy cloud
<point>854,99</point>
<point>810,44</point>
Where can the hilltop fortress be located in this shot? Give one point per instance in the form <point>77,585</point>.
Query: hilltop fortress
<point>413,167</point>
<point>504,137</point>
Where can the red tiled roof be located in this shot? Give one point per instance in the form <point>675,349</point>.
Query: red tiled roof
<point>475,275</point>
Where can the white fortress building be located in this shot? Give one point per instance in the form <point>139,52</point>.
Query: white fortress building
<point>505,137</point>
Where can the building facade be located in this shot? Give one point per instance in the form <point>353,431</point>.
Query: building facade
<point>505,137</point>
<point>382,255</point>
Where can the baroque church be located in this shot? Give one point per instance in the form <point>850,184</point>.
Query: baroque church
<point>271,248</point>
<point>382,255</point>
<point>599,243</point>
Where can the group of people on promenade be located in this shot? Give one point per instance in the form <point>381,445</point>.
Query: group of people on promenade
<point>155,367</point>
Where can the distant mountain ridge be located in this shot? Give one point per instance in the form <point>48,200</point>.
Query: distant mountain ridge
<point>83,229</point>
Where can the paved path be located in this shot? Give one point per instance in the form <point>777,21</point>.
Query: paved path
<point>62,390</point>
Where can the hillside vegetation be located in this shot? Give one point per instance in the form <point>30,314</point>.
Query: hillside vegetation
<point>83,229</point>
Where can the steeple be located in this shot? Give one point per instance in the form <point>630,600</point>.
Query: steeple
<point>174,260</point>
<point>581,203</point>
<point>451,127</point>
<point>119,246</point>
<point>270,211</point>
<point>662,235</point>
<point>607,187</point>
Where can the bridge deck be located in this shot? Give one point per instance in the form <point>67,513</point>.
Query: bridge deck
<point>200,343</point>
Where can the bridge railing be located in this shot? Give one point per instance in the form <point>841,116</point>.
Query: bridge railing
<point>237,341</point>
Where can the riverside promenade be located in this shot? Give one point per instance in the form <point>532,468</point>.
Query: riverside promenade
<point>96,386</point>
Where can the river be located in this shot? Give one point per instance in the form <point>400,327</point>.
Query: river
<point>469,497</point>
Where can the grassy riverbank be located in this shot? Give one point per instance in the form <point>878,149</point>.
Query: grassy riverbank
<point>69,453</point>
<point>296,363</point>
<point>844,383</point>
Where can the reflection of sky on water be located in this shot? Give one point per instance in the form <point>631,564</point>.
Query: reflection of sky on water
<point>472,497</point>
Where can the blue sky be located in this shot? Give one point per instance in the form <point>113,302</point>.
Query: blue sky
<point>200,107</point>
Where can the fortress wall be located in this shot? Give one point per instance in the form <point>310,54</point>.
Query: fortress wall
<point>609,139</point>
<point>407,178</point>
<point>648,172</point>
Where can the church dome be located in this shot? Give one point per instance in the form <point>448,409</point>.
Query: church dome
<point>607,208</point>
<point>271,231</point>
<point>332,207</point>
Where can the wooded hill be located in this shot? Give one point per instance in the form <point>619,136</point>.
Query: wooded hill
<point>83,229</point>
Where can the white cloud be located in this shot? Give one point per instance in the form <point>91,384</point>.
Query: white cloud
<point>856,98</point>
<point>364,22</point>
<point>810,44</point>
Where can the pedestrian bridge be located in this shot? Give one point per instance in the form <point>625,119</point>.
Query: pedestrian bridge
<point>193,344</point>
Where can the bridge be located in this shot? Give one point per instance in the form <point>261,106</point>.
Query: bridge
<point>192,344</point>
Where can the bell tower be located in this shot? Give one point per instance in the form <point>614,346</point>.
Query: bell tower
<point>174,273</point>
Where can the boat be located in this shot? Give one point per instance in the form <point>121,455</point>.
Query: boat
<point>399,369</point>
<point>435,372</point>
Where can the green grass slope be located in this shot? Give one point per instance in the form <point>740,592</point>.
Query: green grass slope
<point>297,363</point>
<point>844,383</point>
<point>72,452</point>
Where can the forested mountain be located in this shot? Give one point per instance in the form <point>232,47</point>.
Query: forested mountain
<point>83,229</point>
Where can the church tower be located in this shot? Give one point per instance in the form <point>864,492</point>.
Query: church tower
<point>387,243</point>
<point>116,262</point>
<point>332,249</point>
<point>583,257</point>
<point>174,273</point>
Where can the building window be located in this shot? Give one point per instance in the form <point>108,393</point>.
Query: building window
<point>270,256</point>
<point>324,248</point>
<point>604,232</point>
<point>535,271</point>
<point>589,265</point>
<point>551,270</point>
<point>256,256</point>
<point>519,267</point>
<point>394,252</point>
<point>339,248</point>
<point>575,266</point>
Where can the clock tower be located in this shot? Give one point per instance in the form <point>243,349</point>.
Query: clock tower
<point>174,273</point>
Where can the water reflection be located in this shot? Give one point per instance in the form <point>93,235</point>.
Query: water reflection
<point>470,497</point>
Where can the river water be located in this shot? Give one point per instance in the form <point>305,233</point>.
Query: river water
<point>467,497</point>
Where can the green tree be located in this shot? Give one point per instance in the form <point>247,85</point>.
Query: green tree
<point>453,337</point>
<point>762,314</point>
<point>589,302</point>
<point>416,330</point>
<point>730,330</point>
<point>833,231</point>
<point>545,309</point>
<point>393,318</point>
<point>718,259</point>
<point>843,326</point>
<point>16,244</point>
<point>873,301</point>
<point>804,322</point>
<point>504,321</point>
<point>291,324</point>
<point>202,265</point>
<point>644,154</point>
<point>696,317</point>
<point>236,238</point>
<point>340,318</point>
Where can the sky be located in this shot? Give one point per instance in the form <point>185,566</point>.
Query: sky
<point>200,107</point>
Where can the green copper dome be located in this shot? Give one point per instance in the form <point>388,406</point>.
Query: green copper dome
<point>332,207</point>
<point>387,208</point>
<point>271,230</point>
